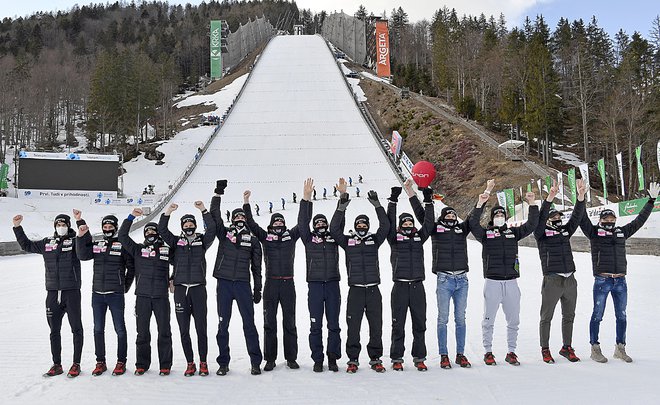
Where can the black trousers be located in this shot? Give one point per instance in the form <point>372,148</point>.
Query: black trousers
<point>59,303</point>
<point>408,296</point>
<point>160,307</point>
<point>324,296</point>
<point>364,300</point>
<point>280,293</point>
<point>191,301</point>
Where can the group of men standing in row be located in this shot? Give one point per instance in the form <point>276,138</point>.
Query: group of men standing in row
<point>118,261</point>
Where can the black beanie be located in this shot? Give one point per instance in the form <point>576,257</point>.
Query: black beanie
<point>277,217</point>
<point>317,218</point>
<point>405,217</point>
<point>361,219</point>
<point>150,226</point>
<point>110,219</point>
<point>445,211</point>
<point>62,218</point>
<point>497,210</point>
<point>607,213</point>
<point>188,218</point>
<point>236,212</point>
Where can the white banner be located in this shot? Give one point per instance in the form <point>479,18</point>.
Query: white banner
<point>67,156</point>
<point>619,162</point>
<point>146,200</point>
<point>405,160</point>
<point>584,172</point>
<point>539,184</point>
<point>501,199</point>
<point>29,194</point>
<point>560,185</point>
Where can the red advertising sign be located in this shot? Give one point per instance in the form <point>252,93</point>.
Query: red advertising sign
<point>382,49</point>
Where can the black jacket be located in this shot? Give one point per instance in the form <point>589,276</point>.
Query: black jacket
<point>361,253</point>
<point>60,259</point>
<point>321,251</point>
<point>500,245</point>
<point>407,251</point>
<point>279,250</point>
<point>114,267</point>
<point>152,264</point>
<point>448,245</point>
<point>189,254</point>
<point>608,248</point>
<point>239,253</point>
<point>555,243</point>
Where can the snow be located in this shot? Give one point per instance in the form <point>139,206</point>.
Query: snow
<point>569,158</point>
<point>355,83</point>
<point>221,99</point>
<point>375,78</point>
<point>294,120</point>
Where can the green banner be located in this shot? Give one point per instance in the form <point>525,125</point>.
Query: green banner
<point>510,202</point>
<point>601,170</point>
<point>216,52</point>
<point>633,207</point>
<point>529,187</point>
<point>4,171</point>
<point>640,168</point>
<point>548,185</point>
<point>571,185</point>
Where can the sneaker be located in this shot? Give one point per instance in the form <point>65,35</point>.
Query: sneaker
<point>203,368</point>
<point>444,361</point>
<point>398,366</point>
<point>597,354</point>
<point>489,359</point>
<point>56,369</point>
<point>547,356</point>
<point>620,353</point>
<point>255,370</point>
<point>292,364</point>
<point>421,366</point>
<point>164,371</point>
<point>462,361</point>
<point>140,371</point>
<point>378,367</point>
<point>332,365</point>
<point>318,366</point>
<point>190,370</point>
<point>120,368</point>
<point>512,359</point>
<point>74,371</point>
<point>352,368</point>
<point>569,353</point>
<point>100,368</point>
<point>223,370</point>
<point>270,365</point>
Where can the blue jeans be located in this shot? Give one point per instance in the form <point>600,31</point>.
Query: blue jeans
<point>602,287</point>
<point>100,305</point>
<point>456,288</point>
<point>324,297</point>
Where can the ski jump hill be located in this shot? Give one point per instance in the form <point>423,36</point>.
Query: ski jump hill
<point>295,119</point>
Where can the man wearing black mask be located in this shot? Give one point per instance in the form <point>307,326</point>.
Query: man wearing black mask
<point>62,287</point>
<point>322,281</point>
<point>152,268</point>
<point>239,253</point>
<point>279,245</point>
<point>114,270</point>
<point>189,280</point>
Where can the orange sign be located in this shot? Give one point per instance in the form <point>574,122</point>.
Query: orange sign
<point>382,49</point>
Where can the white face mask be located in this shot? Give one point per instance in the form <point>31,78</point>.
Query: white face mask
<point>499,221</point>
<point>62,230</point>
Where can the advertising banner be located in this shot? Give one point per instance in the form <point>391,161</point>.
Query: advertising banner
<point>584,172</point>
<point>405,160</point>
<point>68,156</point>
<point>216,51</point>
<point>510,202</point>
<point>571,184</point>
<point>640,168</point>
<point>395,145</point>
<point>633,207</point>
<point>382,49</point>
<point>560,185</point>
<point>4,171</point>
<point>619,162</point>
<point>601,171</point>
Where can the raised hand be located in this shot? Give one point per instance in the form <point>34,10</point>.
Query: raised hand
<point>17,220</point>
<point>82,229</point>
<point>171,208</point>
<point>220,186</point>
<point>308,189</point>
<point>77,214</point>
<point>483,198</point>
<point>552,193</point>
<point>408,186</point>
<point>654,190</point>
<point>246,196</point>
<point>372,197</point>
<point>394,195</point>
<point>490,185</point>
<point>529,197</point>
<point>342,185</point>
<point>200,205</point>
<point>581,188</point>
<point>137,212</point>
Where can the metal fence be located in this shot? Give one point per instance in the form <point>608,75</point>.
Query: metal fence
<point>245,40</point>
<point>348,34</point>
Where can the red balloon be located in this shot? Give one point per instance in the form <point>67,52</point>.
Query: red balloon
<point>423,173</point>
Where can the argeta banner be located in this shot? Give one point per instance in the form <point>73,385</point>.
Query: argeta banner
<point>619,162</point>
<point>382,49</point>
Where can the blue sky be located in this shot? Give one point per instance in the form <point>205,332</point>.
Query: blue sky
<point>631,15</point>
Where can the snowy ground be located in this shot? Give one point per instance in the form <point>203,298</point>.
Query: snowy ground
<point>296,119</point>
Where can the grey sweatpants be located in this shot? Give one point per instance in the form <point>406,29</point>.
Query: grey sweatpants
<point>507,293</point>
<point>556,288</point>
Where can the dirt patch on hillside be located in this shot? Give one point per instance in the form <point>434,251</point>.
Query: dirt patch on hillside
<point>463,162</point>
